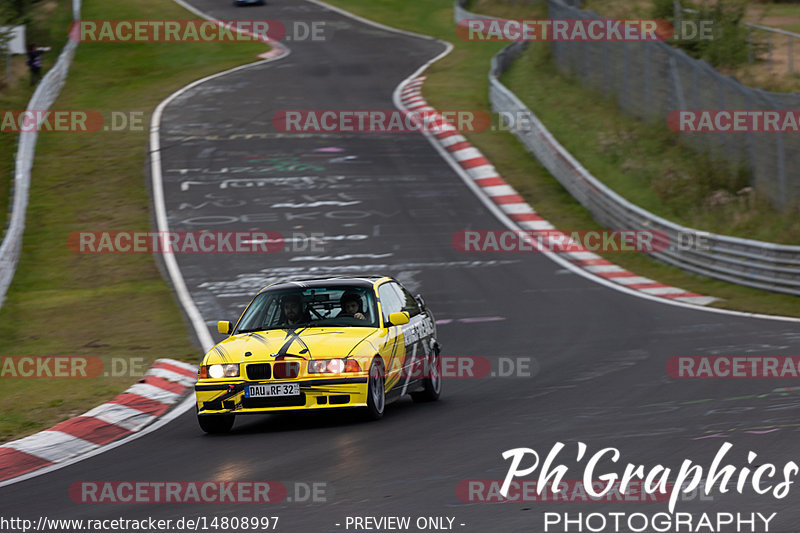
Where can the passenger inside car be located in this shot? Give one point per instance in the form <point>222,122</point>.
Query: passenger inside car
<point>352,306</point>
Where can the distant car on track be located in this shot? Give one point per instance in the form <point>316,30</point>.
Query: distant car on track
<point>248,2</point>
<point>322,343</point>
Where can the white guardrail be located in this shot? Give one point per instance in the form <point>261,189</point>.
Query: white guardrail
<point>759,264</point>
<point>43,97</point>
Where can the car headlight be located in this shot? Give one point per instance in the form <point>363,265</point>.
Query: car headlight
<point>332,366</point>
<point>230,370</point>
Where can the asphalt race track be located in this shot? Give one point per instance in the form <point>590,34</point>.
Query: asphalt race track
<point>388,203</point>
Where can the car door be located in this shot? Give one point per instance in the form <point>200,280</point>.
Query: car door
<point>417,337</point>
<point>393,348</point>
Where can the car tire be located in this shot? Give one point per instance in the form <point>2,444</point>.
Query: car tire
<point>215,424</point>
<point>433,383</point>
<point>376,391</point>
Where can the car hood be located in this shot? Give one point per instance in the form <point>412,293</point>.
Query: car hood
<point>307,343</point>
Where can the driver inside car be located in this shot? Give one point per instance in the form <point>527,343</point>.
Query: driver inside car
<point>292,310</point>
<point>351,305</point>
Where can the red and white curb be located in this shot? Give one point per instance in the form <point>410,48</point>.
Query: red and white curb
<point>490,183</point>
<point>139,406</point>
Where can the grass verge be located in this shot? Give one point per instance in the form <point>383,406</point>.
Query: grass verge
<point>775,71</point>
<point>48,27</point>
<point>116,307</point>
<point>645,163</point>
<point>459,82</point>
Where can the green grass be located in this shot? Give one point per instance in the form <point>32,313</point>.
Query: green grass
<point>620,8</point>
<point>644,163</point>
<point>48,27</point>
<point>781,10</point>
<point>790,11</point>
<point>509,9</point>
<point>459,82</point>
<point>8,147</point>
<point>113,305</point>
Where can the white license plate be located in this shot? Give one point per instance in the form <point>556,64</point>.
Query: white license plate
<point>279,389</point>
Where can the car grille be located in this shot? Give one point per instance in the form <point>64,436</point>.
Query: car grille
<point>279,401</point>
<point>259,371</point>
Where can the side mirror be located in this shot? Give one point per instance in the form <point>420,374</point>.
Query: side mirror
<point>398,319</point>
<point>224,327</point>
<point>420,301</point>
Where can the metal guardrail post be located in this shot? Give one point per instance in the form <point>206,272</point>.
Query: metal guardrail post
<point>43,97</point>
<point>763,265</point>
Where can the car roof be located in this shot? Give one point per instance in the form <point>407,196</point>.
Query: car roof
<point>366,281</point>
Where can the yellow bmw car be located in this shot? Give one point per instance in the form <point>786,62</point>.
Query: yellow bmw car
<point>321,344</point>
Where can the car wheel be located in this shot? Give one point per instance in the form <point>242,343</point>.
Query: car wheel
<point>376,391</point>
<point>433,383</point>
<point>216,423</point>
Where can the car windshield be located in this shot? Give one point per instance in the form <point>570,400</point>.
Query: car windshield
<point>334,306</point>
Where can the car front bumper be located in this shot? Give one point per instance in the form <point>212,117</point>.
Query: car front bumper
<point>215,398</point>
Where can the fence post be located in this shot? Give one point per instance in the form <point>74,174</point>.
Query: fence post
<point>781,152</point>
<point>769,49</point>
<point>780,156</point>
<point>648,92</point>
<point>676,82</point>
<point>751,144</point>
<point>605,68</point>
<point>626,77</point>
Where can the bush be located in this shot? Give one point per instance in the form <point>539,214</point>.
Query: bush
<point>728,46</point>
<point>664,9</point>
